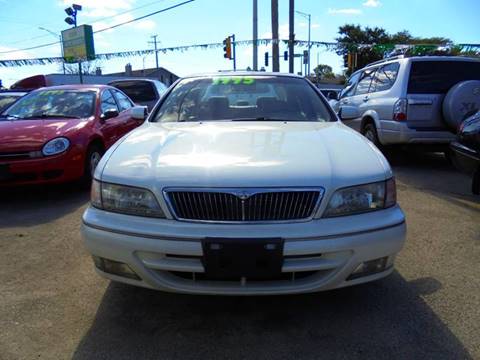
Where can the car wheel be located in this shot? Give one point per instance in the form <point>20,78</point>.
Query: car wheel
<point>370,132</point>
<point>94,154</point>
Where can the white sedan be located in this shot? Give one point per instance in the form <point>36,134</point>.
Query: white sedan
<point>243,184</point>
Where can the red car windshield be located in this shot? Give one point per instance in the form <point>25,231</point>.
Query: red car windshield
<point>53,104</point>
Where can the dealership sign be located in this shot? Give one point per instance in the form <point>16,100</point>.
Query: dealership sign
<point>77,44</point>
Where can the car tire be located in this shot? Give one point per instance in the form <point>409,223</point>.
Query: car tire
<point>370,132</point>
<point>92,158</point>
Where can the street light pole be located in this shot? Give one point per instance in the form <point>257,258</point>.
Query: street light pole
<point>291,36</point>
<point>255,35</point>
<point>59,36</point>
<point>309,17</point>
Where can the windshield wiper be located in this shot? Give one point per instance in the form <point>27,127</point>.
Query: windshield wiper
<point>260,118</point>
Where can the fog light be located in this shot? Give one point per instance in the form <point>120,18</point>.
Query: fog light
<point>369,268</point>
<point>115,268</point>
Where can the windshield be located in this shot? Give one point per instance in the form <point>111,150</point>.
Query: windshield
<point>437,77</point>
<point>138,91</point>
<point>243,98</point>
<point>6,100</point>
<point>53,103</point>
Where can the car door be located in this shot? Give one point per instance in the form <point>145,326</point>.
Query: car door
<point>112,129</point>
<point>360,98</point>
<point>381,98</point>
<point>347,92</point>
<point>125,105</point>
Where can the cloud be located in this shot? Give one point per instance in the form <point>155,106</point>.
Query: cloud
<point>282,32</point>
<point>100,8</point>
<point>305,24</point>
<point>145,24</point>
<point>372,3</point>
<point>348,11</point>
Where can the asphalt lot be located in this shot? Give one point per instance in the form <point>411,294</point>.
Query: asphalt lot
<point>53,305</point>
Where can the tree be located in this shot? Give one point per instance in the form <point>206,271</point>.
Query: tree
<point>323,71</point>
<point>88,68</point>
<point>351,35</point>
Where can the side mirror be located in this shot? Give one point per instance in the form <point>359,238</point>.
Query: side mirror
<point>139,112</point>
<point>348,112</point>
<point>109,113</point>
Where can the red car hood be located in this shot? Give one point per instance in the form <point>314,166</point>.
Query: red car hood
<point>28,135</point>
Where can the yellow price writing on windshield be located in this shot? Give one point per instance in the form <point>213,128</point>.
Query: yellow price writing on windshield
<point>235,80</point>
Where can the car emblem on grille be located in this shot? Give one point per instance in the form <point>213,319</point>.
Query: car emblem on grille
<point>243,195</point>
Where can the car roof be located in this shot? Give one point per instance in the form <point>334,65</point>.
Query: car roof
<point>133,79</point>
<point>13,93</point>
<point>76,87</point>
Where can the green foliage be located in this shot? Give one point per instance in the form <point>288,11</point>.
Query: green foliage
<point>351,35</point>
<point>323,71</point>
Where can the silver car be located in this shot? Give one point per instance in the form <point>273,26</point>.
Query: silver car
<point>227,191</point>
<point>416,100</point>
<point>145,92</point>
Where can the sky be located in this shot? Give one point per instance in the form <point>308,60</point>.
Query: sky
<point>210,21</point>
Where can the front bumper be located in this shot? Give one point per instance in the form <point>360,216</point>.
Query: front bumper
<point>45,170</point>
<point>166,254</point>
<point>395,132</point>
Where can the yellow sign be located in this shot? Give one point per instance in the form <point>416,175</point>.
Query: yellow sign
<point>78,44</point>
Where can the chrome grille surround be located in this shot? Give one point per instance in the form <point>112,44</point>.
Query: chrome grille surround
<point>243,205</point>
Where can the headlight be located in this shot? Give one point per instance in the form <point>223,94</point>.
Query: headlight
<point>362,198</point>
<point>125,199</point>
<point>56,146</point>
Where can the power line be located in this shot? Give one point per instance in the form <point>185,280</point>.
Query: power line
<point>107,28</point>
<point>144,16</point>
<point>93,22</point>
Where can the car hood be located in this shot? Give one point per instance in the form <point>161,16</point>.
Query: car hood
<point>243,154</point>
<point>28,135</point>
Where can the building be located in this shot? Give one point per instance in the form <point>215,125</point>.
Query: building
<point>162,74</point>
<point>37,81</point>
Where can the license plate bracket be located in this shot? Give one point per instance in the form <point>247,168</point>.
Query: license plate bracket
<point>234,258</point>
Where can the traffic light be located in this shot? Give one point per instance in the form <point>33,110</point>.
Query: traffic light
<point>227,48</point>
<point>305,56</point>
<point>266,58</point>
<point>285,55</point>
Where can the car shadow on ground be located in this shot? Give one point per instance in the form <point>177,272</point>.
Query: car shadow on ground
<point>383,320</point>
<point>34,205</point>
<point>415,168</point>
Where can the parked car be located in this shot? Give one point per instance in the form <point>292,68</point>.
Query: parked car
<point>331,95</point>
<point>145,92</point>
<point>416,100</point>
<point>7,98</point>
<point>466,150</point>
<point>271,197</point>
<point>58,134</point>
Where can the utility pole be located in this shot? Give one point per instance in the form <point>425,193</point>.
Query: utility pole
<point>255,35</point>
<point>291,36</point>
<point>154,37</point>
<point>275,50</point>
<point>234,54</point>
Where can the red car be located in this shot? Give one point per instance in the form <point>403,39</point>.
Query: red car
<point>57,134</point>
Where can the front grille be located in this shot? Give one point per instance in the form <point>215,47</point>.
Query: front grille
<point>244,205</point>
